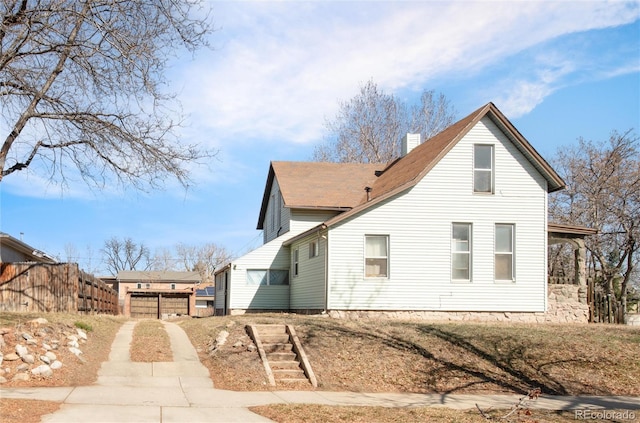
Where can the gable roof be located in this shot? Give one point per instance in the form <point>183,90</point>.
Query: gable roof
<point>407,171</point>
<point>341,186</point>
<point>7,242</point>
<point>319,185</point>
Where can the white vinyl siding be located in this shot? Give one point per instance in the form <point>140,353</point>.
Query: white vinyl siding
<point>308,289</point>
<point>418,222</point>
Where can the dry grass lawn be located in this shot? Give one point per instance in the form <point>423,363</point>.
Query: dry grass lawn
<point>150,342</point>
<point>410,356</point>
<point>300,413</point>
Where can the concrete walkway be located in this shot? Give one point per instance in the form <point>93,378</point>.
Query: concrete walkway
<point>182,391</point>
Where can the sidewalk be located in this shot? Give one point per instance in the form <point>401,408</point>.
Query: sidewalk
<point>182,391</point>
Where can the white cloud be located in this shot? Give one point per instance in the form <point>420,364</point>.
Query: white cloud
<point>281,67</point>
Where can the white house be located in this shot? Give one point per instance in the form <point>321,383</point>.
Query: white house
<point>458,224</point>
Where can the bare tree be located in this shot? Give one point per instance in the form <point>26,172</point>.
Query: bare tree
<point>204,259</point>
<point>125,254</point>
<point>163,260</point>
<point>603,192</point>
<point>83,93</point>
<point>368,128</point>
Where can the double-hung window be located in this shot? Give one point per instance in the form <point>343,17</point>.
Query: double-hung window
<point>483,168</point>
<point>296,262</point>
<point>376,256</point>
<point>461,251</point>
<point>314,248</point>
<point>504,252</point>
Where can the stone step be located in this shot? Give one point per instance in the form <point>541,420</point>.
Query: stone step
<point>274,339</point>
<point>281,356</point>
<point>279,374</point>
<point>280,347</point>
<point>285,365</point>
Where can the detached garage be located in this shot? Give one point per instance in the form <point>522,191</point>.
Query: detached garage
<point>147,303</point>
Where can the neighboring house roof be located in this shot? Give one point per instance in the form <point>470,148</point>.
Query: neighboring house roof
<point>154,276</point>
<point>207,291</point>
<point>319,185</point>
<point>7,242</point>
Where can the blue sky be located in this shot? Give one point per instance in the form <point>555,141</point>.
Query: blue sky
<point>277,70</point>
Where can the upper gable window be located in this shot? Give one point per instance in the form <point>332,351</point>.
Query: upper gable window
<point>483,168</point>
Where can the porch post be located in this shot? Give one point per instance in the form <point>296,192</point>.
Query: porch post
<point>580,269</point>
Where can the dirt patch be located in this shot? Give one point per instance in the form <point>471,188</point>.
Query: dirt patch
<point>25,411</point>
<point>407,356</point>
<point>150,342</point>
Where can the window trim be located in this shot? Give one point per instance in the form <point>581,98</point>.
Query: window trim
<point>512,253</point>
<point>468,253</point>
<point>173,286</point>
<point>387,257</point>
<point>491,170</point>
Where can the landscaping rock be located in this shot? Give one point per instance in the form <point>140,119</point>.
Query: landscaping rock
<point>251,348</point>
<point>21,350</point>
<point>4,331</point>
<point>75,351</point>
<point>1,358</point>
<point>21,376</point>
<point>56,365</point>
<point>46,347</point>
<point>45,359</point>
<point>51,356</point>
<point>28,358</point>
<point>22,367</point>
<point>39,321</point>
<point>73,344</point>
<point>43,370</point>
<point>32,342</point>
<point>11,357</point>
<point>26,336</point>
<point>81,334</point>
<point>2,380</point>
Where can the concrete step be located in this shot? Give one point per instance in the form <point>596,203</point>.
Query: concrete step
<point>280,347</point>
<point>271,329</point>
<point>281,356</point>
<point>285,365</point>
<point>274,339</point>
<point>279,374</point>
<point>294,380</point>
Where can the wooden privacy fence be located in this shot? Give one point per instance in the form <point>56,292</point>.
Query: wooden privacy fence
<point>60,287</point>
<point>604,308</point>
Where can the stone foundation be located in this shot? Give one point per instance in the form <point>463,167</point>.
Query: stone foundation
<point>566,304</point>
